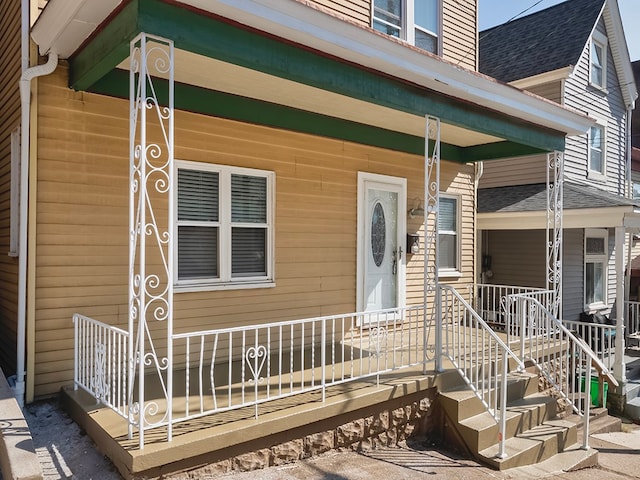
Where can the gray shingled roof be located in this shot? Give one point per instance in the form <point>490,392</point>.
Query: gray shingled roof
<point>541,42</point>
<point>533,198</point>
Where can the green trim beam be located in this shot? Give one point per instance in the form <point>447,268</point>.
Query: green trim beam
<point>211,37</point>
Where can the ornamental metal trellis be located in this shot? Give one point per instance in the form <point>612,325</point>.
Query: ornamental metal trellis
<point>555,182</point>
<point>431,244</point>
<point>150,233</point>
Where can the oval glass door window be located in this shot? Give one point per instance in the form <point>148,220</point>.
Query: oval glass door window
<point>378,234</point>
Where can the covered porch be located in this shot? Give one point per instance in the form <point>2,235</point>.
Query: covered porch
<point>189,355</point>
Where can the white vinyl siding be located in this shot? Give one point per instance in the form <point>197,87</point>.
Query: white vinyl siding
<point>224,225</point>
<point>608,107</point>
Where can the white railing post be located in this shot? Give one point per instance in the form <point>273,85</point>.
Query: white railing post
<point>619,367</point>
<point>503,408</point>
<point>555,182</point>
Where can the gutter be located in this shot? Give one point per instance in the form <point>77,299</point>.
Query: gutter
<point>28,74</point>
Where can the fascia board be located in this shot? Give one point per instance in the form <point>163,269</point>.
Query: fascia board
<point>620,52</point>
<point>542,78</point>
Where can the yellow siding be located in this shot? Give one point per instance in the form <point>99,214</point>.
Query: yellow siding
<point>460,32</point>
<point>9,120</point>
<point>514,171</point>
<point>358,11</point>
<point>82,253</point>
<point>552,91</point>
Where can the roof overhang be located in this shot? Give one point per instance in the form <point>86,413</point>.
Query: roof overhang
<point>542,78</point>
<point>347,72</point>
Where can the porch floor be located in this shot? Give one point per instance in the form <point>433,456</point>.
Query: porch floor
<point>220,436</point>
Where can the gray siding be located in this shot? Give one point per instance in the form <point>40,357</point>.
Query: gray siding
<point>518,257</point>
<point>605,105</point>
<point>572,273</point>
<point>514,171</point>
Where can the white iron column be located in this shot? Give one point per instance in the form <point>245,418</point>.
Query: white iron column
<point>555,182</point>
<point>619,367</point>
<point>431,244</point>
<point>150,231</point>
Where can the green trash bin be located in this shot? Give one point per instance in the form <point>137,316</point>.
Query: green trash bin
<point>593,391</point>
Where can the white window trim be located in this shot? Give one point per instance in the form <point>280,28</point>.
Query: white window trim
<point>408,25</point>
<point>226,281</point>
<point>14,209</point>
<point>457,271</point>
<point>594,174</point>
<point>591,258</point>
<point>601,40</point>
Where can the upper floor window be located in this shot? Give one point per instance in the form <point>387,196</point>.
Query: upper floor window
<point>598,61</point>
<point>448,235</point>
<point>416,21</point>
<point>597,159</point>
<point>224,225</point>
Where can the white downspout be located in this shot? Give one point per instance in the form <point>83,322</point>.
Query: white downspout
<point>28,74</point>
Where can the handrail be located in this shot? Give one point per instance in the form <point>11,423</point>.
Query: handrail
<point>473,347</point>
<point>562,358</point>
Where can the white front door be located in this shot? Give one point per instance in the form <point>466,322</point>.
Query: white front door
<point>381,242</point>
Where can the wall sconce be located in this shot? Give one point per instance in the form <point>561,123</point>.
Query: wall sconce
<point>417,210</point>
<point>413,243</point>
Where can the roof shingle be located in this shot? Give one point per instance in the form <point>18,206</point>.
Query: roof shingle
<point>541,42</point>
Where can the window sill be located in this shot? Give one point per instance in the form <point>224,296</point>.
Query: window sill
<point>599,89</point>
<point>208,287</point>
<point>449,274</point>
<point>597,176</point>
<point>595,307</point>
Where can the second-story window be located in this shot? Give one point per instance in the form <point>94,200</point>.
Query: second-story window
<point>598,61</point>
<point>416,21</point>
<point>596,150</point>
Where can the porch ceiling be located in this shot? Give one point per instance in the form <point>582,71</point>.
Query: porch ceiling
<point>241,73</point>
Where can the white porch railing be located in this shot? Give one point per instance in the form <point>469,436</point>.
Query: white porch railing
<point>490,301</point>
<point>224,369</point>
<point>479,354</point>
<point>632,322</point>
<point>101,364</point>
<point>563,359</point>
<point>600,337</point>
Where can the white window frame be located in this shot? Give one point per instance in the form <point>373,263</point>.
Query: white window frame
<point>596,258</point>
<point>14,208</point>
<point>408,26</point>
<point>595,174</point>
<point>599,40</point>
<point>456,272</point>
<point>226,280</point>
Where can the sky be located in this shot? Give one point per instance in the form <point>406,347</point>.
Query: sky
<point>495,12</point>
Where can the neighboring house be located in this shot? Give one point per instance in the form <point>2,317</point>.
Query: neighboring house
<point>573,53</point>
<point>299,142</point>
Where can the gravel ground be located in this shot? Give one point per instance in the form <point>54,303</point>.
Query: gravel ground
<point>64,450</point>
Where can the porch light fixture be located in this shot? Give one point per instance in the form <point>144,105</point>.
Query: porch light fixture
<point>417,210</point>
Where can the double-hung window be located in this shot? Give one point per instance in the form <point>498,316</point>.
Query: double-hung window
<point>416,21</point>
<point>598,61</point>
<point>597,151</point>
<point>595,268</point>
<point>224,225</point>
<point>448,236</point>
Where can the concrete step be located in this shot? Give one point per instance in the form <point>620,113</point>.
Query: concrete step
<point>599,422</point>
<point>481,431</point>
<point>571,459</point>
<point>461,402</point>
<point>532,446</point>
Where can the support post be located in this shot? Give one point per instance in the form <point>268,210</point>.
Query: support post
<point>619,367</point>
<point>555,183</point>
<point>431,243</point>
<point>151,143</point>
